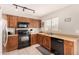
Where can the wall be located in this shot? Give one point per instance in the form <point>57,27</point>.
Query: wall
<point>68,12</point>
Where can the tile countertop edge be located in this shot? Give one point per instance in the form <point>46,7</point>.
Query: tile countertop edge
<point>61,37</point>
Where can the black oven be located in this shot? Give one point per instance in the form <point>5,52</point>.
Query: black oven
<point>24,39</point>
<point>22,24</point>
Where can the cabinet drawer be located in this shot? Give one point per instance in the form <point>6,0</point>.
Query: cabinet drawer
<point>70,43</point>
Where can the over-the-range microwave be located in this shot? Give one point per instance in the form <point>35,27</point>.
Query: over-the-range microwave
<point>22,25</point>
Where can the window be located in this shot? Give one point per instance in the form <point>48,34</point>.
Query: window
<point>47,25</point>
<point>55,23</point>
<point>51,25</point>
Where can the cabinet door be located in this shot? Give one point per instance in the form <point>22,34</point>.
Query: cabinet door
<point>34,23</point>
<point>68,47</point>
<point>12,21</point>
<point>31,23</point>
<point>47,42</point>
<point>23,19</point>
<point>33,39</point>
<point>40,39</point>
<point>12,43</point>
<point>38,23</point>
<point>8,20</point>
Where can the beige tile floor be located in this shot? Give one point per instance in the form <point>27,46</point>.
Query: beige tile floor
<point>25,51</point>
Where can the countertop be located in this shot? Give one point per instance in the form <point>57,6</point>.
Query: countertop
<point>13,35</point>
<point>64,37</point>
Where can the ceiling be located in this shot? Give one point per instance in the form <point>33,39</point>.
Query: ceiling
<point>40,9</point>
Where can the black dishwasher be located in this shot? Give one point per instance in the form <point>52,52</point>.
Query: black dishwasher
<point>57,46</point>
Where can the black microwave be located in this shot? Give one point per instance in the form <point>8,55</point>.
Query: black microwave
<point>22,25</point>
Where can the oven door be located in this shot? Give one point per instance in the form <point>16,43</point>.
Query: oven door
<point>23,41</point>
<point>24,38</point>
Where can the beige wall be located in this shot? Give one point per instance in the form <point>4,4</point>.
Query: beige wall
<point>68,12</point>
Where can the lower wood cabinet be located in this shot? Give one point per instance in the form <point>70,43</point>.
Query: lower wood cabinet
<point>47,42</point>
<point>68,48</point>
<point>33,38</point>
<point>40,39</point>
<point>44,41</point>
<point>12,43</point>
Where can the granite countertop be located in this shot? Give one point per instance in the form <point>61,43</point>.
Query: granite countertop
<point>64,37</point>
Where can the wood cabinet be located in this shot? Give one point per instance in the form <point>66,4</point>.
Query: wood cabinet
<point>37,24</point>
<point>68,48</point>
<point>44,41</point>
<point>23,19</point>
<point>12,21</point>
<point>8,20</point>
<point>31,23</point>
<point>12,43</point>
<point>40,39</point>
<point>47,42</point>
<point>34,23</point>
<point>33,39</point>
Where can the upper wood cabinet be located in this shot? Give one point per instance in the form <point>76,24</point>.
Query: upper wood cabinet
<point>23,19</point>
<point>37,23</point>
<point>8,20</point>
<point>12,21</point>
<point>33,23</point>
<point>68,48</point>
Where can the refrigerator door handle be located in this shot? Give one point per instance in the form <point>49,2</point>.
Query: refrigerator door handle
<point>6,37</point>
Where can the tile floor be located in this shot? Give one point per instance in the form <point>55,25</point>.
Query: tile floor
<point>25,51</point>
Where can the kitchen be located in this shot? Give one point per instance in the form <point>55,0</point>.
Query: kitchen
<point>41,33</point>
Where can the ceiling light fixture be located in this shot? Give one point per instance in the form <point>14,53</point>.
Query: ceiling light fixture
<point>24,8</point>
<point>16,7</point>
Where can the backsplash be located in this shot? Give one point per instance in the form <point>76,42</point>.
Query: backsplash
<point>35,30</point>
<point>11,30</point>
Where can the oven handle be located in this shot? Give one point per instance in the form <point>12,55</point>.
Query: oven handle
<point>60,41</point>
